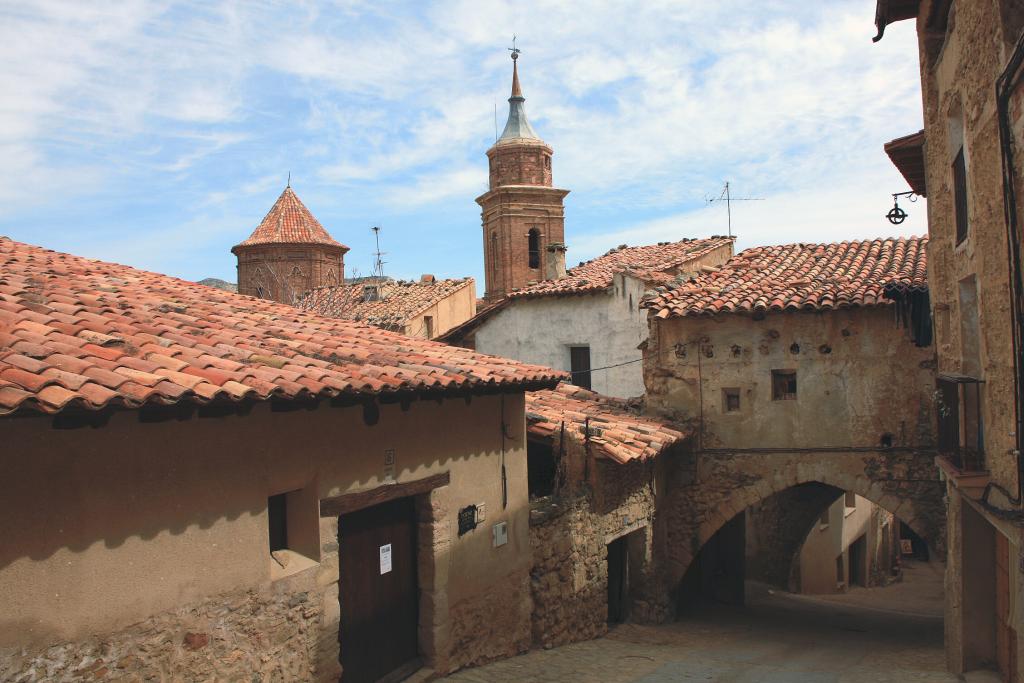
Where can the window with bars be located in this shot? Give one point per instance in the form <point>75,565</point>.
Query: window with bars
<point>960,195</point>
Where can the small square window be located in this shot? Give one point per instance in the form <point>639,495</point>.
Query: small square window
<point>850,500</point>
<point>277,521</point>
<point>731,400</point>
<point>783,385</point>
<point>293,531</point>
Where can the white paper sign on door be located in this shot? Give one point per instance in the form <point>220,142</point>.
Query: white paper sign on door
<point>385,558</point>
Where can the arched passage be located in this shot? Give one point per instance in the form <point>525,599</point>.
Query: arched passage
<point>712,490</point>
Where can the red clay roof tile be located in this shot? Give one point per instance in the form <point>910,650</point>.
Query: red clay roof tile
<point>652,261</point>
<point>237,347</point>
<point>799,277</point>
<point>289,222</point>
<point>616,432</point>
<point>393,306</point>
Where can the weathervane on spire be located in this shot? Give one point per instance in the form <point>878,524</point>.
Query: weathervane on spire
<point>514,50</point>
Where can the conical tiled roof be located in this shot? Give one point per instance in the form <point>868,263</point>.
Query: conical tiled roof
<point>290,222</point>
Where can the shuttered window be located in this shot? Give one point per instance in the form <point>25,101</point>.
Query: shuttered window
<point>960,195</point>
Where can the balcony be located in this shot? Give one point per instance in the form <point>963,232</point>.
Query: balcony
<point>961,432</point>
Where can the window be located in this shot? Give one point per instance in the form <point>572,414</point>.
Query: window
<point>494,254</point>
<point>428,326</point>
<point>823,520</point>
<point>293,531</point>
<point>579,365</point>
<point>541,469</point>
<point>850,500</point>
<point>277,521</point>
<point>533,239</point>
<point>960,195</point>
<point>783,385</point>
<point>730,400</point>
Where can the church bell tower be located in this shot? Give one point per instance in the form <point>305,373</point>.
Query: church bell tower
<point>523,215</point>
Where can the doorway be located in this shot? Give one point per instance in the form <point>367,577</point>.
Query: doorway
<point>378,592</point>
<point>618,580</point>
<point>1006,636</point>
<point>858,562</point>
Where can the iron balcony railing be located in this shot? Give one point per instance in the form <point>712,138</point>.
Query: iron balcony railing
<point>961,432</point>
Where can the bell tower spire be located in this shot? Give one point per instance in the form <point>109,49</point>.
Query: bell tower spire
<point>522,212</point>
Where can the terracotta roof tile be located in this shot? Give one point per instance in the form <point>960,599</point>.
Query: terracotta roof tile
<point>651,261</point>
<point>133,349</point>
<point>289,222</point>
<point>396,302</point>
<point>798,277</point>
<point>615,432</point>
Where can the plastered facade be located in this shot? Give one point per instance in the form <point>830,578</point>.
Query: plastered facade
<point>541,330</point>
<point>453,310</point>
<point>121,541</point>
<point>861,420</point>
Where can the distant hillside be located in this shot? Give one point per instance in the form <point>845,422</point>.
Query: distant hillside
<point>217,283</point>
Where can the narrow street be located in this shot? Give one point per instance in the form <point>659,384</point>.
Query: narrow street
<point>879,635</point>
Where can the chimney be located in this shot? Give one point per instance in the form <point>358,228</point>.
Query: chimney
<point>371,292</point>
<point>554,264</point>
<point>427,278</point>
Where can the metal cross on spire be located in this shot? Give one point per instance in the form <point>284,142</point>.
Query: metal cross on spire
<point>514,50</point>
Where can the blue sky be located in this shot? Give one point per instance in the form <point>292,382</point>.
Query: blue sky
<point>158,134</point>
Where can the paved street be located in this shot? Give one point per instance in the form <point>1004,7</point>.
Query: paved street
<point>883,635</point>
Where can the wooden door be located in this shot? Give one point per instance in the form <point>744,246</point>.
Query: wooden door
<point>618,580</point>
<point>378,592</point>
<point>1006,636</point>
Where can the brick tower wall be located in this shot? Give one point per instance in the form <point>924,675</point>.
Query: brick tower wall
<point>285,272</point>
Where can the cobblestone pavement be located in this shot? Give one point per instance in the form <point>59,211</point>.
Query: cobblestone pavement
<point>776,638</point>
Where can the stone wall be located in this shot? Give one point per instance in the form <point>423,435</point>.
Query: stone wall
<point>249,635</point>
<point>777,527</point>
<point>704,494</point>
<point>569,534</point>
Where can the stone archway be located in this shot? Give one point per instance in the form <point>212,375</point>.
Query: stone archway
<point>711,489</point>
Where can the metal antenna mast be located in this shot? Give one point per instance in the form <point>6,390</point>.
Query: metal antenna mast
<point>378,263</point>
<point>726,197</point>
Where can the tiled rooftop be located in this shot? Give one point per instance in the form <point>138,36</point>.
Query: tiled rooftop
<point>799,276</point>
<point>615,432</point>
<point>398,301</point>
<point>81,333</point>
<point>651,262</point>
<point>289,222</point>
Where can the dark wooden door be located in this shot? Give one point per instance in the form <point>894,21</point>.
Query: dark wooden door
<point>1006,636</point>
<point>378,592</point>
<point>618,580</point>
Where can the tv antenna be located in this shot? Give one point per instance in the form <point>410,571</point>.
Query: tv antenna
<point>378,263</point>
<point>726,197</point>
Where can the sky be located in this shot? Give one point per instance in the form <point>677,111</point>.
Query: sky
<point>158,134</point>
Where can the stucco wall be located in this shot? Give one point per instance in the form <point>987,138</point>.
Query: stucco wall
<point>105,527</point>
<point>825,543</point>
<point>542,330</point>
<point>859,377</point>
<point>453,310</point>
